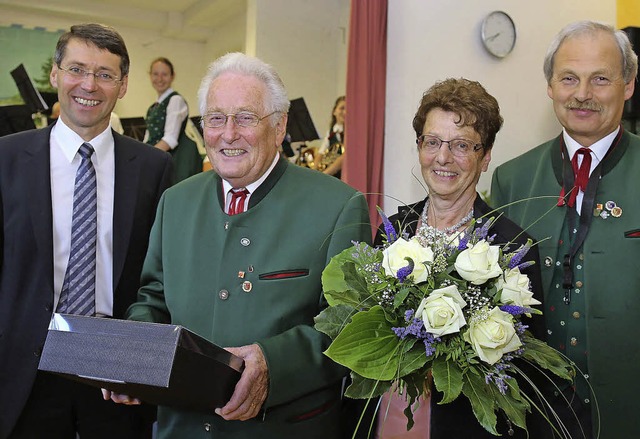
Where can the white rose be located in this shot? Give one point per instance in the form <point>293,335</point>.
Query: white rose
<point>479,263</point>
<point>493,336</point>
<point>515,289</point>
<point>441,311</point>
<point>394,258</point>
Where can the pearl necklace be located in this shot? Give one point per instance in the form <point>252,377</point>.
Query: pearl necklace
<point>428,235</point>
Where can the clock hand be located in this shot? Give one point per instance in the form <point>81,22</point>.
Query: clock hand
<point>493,37</point>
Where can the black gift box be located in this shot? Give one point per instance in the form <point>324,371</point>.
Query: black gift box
<point>157,363</point>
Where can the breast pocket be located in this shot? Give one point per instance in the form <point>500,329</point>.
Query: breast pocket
<point>284,274</point>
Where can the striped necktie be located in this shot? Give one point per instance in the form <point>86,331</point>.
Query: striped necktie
<point>79,286</point>
<point>238,198</point>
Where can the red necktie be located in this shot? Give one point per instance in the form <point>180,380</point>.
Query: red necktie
<point>581,174</point>
<point>238,198</point>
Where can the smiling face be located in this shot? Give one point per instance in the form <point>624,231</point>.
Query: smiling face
<point>587,87</point>
<point>86,105</point>
<point>241,155</point>
<point>161,77</point>
<point>449,177</point>
<point>340,112</point>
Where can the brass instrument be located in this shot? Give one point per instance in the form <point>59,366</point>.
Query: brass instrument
<point>307,157</point>
<point>334,151</point>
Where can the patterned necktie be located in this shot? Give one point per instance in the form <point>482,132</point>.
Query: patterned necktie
<point>79,286</point>
<point>238,198</point>
<point>581,173</point>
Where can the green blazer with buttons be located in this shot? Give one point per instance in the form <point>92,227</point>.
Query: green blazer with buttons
<point>250,278</point>
<point>608,264</point>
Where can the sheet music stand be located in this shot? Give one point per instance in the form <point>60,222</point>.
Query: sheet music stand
<point>29,93</point>
<point>15,118</point>
<point>299,125</point>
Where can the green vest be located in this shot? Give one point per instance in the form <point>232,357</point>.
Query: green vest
<point>186,158</point>
<point>605,303</point>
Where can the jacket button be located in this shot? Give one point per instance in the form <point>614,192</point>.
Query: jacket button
<point>223,294</point>
<point>576,315</point>
<point>245,242</point>
<point>548,261</point>
<point>574,341</point>
<point>207,426</point>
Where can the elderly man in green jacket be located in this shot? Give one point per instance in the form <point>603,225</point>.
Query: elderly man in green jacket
<point>577,195</point>
<point>236,255</point>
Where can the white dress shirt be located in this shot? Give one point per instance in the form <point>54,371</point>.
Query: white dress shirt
<point>64,146</point>
<point>598,151</point>
<point>227,188</point>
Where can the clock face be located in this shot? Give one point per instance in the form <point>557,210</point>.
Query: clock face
<point>498,34</point>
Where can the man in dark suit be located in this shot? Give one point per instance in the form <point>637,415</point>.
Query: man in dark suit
<point>37,182</point>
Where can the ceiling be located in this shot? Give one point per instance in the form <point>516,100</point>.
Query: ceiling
<point>190,20</point>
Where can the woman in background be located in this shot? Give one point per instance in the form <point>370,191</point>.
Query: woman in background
<point>167,120</point>
<point>332,147</point>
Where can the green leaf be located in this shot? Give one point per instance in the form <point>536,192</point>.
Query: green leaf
<point>333,275</point>
<point>414,386</point>
<point>349,298</point>
<point>548,358</point>
<point>353,279</point>
<point>363,388</point>
<point>412,360</point>
<point>447,377</point>
<point>513,405</point>
<point>400,297</point>
<point>331,320</point>
<point>482,404</point>
<point>367,346</point>
<point>408,413</point>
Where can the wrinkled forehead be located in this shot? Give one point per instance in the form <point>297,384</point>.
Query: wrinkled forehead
<point>232,92</point>
<point>589,52</point>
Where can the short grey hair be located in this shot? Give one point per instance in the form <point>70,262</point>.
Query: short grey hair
<point>236,62</point>
<point>586,27</point>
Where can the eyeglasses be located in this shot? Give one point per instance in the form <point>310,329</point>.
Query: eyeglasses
<point>458,147</point>
<point>105,79</point>
<point>244,119</point>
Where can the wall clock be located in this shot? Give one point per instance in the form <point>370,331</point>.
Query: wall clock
<point>498,33</point>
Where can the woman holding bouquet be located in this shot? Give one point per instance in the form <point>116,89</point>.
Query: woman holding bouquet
<point>456,125</point>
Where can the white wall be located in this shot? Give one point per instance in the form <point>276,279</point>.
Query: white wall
<point>431,40</point>
<point>143,47</point>
<point>307,44</point>
<point>305,41</point>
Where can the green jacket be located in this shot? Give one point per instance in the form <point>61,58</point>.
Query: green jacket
<point>603,320</point>
<point>198,261</point>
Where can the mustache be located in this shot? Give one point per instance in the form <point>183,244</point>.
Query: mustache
<point>575,105</point>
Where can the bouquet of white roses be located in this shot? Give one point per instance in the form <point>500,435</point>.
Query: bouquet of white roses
<point>452,309</point>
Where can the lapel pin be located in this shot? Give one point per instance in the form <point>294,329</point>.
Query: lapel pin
<point>616,212</point>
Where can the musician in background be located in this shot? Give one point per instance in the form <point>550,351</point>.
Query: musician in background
<point>332,148</point>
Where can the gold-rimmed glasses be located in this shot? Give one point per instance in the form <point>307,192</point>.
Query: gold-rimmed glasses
<point>103,78</point>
